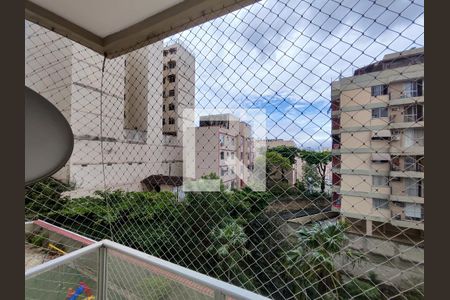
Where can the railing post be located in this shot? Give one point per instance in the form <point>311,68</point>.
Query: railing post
<point>218,295</point>
<point>102,273</point>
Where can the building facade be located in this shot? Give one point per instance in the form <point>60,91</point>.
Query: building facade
<point>224,146</point>
<point>378,146</point>
<point>178,94</point>
<point>120,139</point>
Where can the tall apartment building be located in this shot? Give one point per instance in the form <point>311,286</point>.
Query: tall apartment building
<point>378,146</point>
<point>122,117</point>
<point>224,146</point>
<point>178,94</point>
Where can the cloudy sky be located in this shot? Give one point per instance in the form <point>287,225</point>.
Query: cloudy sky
<point>281,56</point>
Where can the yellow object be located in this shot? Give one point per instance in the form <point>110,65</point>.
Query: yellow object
<point>90,298</point>
<point>50,245</point>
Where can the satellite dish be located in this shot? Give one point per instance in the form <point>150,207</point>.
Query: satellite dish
<point>48,138</point>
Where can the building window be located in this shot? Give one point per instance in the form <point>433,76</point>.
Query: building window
<point>413,137</point>
<point>223,171</point>
<point>222,155</point>
<point>414,187</point>
<point>414,163</point>
<point>413,89</point>
<point>171,121</point>
<point>378,90</point>
<point>414,113</point>
<point>164,80</point>
<point>164,121</point>
<point>164,107</point>
<point>171,106</point>
<point>165,52</point>
<point>171,64</point>
<point>380,181</point>
<point>171,78</point>
<point>380,203</point>
<point>380,112</point>
<point>171,93</point>
<point>221,139</point>
<point>173,50</point>
<point>165,67</point>
<point>164,94</point>
<point>414,211</point>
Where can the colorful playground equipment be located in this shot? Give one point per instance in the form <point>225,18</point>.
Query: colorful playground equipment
<point>82,288</point>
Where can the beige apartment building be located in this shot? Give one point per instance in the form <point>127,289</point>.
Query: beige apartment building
<point>378,146</point>
<point>224,146</point>
<point>123,116</point>
<point>178,80</point>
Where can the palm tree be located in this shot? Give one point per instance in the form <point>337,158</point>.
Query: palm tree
<point>228,246</point>
<point>312,264</point>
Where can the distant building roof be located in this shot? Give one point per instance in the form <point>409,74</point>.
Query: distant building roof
<point>394,60</point>
<point>155,180</point>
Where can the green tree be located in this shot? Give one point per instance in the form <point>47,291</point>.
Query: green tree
<point>228,248</point>
<point>319,160</point>
<point>312,263</point>
<point>289,152</point>
<point>43,198</point>
<point>276,164</point>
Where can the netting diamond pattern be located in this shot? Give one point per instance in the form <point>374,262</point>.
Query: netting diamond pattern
<point>341,87</point>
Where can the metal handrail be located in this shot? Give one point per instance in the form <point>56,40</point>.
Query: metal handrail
<point>219,287</point>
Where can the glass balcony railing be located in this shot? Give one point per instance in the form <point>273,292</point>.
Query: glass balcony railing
<point>107,270</point>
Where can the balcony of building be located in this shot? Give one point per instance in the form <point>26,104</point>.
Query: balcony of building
<point>409,215</point>
<point>408,166</point>
<point>411,190</point>
<point>135,136</point>
<point>108,270</point>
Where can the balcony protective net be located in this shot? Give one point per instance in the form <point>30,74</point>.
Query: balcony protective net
<point>278,148</point>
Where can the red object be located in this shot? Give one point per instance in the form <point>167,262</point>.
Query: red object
<point>87,290</point>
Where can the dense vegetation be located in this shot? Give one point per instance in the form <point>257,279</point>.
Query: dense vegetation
<point>224,234</point>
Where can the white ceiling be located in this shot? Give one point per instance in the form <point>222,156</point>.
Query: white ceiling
<point>105,17</point>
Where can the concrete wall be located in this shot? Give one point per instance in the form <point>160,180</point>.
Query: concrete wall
<point>399,264</point>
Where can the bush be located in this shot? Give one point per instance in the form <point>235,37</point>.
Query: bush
<point>359,290</point>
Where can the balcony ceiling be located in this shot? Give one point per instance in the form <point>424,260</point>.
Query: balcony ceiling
<point>115,27</point>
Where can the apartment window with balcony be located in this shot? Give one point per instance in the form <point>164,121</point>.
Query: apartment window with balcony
<point>380,181</point>
<point>413,211</point>
<point>223,171</point>
<point>171,78</point>
<point>378,90</point>
<point>413,137</point>
<point>414,187</point>
<point>171,121</point>
<point>171,93</point>
<point>414,163</point>
<point>171,106</point>
<point>413,113</point>
<point>171,64</point>
<point>379,112</point>
<point>378,203</point>
<point>413,88</point>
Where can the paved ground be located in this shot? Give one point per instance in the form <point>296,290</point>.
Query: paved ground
<point>34,256</point>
